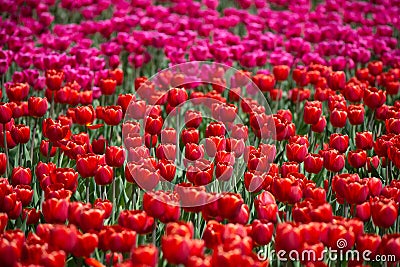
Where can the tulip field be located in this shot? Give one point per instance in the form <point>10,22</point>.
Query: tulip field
<point>199,133</point>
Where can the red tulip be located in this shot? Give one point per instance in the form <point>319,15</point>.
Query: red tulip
<point>356,192</point>
<point>87,164</point>
<point>287,190</point>
<point>181,228</point>
<point>167,169</point>
<point>356,114</point>
<point>55,210</point>
<point>266,207</point>
<point>112,115</point>
<point>390,245</point>
<point>384,212</point>
<point>5,113</point>
<point>200,173</point>
<point>374,98</point>
<point>17,92</point>
<point>53,259</point>
<point>288,168</point>
<point>337,232</point>
<point>240,131</point>
<point>150,138</point>
<point>161,205</point>
<point>296,152</point>
<point>312,211</point>
<point>3,222</point>
<point>193,119</point>
<point>339,142</point>
<point>192,198</point>
<point>177,96</point>
<point>287,238</point>
<point>364,140</point>
<point>68,177</point>
<point>214,144</point>
<point>312,112</point>
<point>264,82</point>
<point>363,211</point>
<point>281,72</point>
<point>357,158</point>
<point>107,86</point>
<point>168,136</point>
<point>299,94</point>
<point>20,133</point>
<point>91,219</point>
<point>229,205</point>
<point>85,245</point>
<point>368,242</point>
<point>319,127</point>
<point>382,145</point>
<point>338,118</point>
<point>124,100</point>
<point>37,106</point>
<point>223,171</point>
<point>24,194</point>
<point>313,163</point>
<point>173,243</point>
<point>55,130</point>
<point>193,151</point>
<point>10,252</point>
<point>145,174</point>
<point>337,80</point>
<point>215,129</point>
<point>393,125</point>
<point>375,67</point>
<point>153,124</point>
<point>44,169</point>
<point>54,79</point>
<point>255,181</point>
<point>224,112</point>
<point>44,149</point>
<point>257,161</point>
<point>190,135</point>
<point>21,176</point>
<point>115,156</point>
<point>166,151</point>
<point>136,109</point>
<point>261,232</point>
<point>145,255</point>
<point>3,163</point>
<point>84,115</point>
<point>353,92</point>
<point>116,239</point>
<point>31,215</point>
<point>136,220</point>
<point>236,146</point>
<point>104,175</point>
<point>105,205</point>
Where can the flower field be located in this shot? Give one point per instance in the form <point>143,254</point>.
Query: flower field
<point>199,133</point>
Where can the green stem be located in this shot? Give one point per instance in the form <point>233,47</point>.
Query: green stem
<point>154,234</point>
<point>52,105</point>
<point>6,148</point>
<point>113,200</point>
<point>87,190</point>
<point>33,141</point>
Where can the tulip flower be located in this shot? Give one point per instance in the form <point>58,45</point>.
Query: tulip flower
<point>384,212</point>
<point>312,112</point>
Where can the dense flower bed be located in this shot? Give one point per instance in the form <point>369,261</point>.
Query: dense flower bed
<point>145,133</point>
